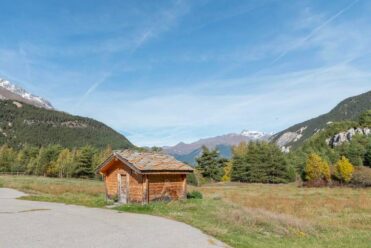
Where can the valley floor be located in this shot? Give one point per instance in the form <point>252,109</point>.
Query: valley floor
<point>241,215</point>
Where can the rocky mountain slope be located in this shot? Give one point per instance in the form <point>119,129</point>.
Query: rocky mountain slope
<point>189,152</point>
<point>348,109</point>
<point>9,91</point>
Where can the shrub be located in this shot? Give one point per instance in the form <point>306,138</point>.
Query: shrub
<point>227,172</point>
<point>194,195</point>
<point>317,169</point>
<point>192,179</point>
<point>361,177</point>
<point>344,170</point>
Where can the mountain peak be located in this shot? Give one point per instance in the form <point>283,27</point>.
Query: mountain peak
<point>11,91</point>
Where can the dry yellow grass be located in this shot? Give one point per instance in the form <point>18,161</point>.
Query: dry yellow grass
<point>299,206</point>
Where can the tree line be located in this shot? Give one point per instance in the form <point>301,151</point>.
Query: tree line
<point>315,163</point>
<point>253,162</point>
<point>264,162</point>
<point>52,160</point>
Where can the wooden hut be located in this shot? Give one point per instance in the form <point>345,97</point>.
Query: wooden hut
<point>134,176</point>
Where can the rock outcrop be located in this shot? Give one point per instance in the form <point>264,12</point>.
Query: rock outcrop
<point>347,136</point>
<point>289,137</point>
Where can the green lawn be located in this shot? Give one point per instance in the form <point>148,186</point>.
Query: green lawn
<point>241,215</point>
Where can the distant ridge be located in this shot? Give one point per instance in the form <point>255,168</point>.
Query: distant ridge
<point>223,143</point>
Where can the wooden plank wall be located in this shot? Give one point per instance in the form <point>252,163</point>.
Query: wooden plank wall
<point>135,189</point>
<point>142,190</point>
<point>166,187</point>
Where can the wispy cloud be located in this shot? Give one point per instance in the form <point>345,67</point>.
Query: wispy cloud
<point>177,70</point>
<point>313,32</point>
<point>162,22</point>
<point>166,118</point>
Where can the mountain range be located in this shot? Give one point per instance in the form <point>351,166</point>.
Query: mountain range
<point>29,119</point>
<point>223,143</point>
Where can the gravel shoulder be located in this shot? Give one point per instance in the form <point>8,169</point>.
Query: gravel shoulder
<point>41,224</point>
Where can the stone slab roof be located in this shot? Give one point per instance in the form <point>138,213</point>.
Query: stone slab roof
<point>148,161</point>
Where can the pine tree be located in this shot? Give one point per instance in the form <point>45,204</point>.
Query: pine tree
<point>211,164</point>
<point>261,162</point>
<point>84,164</point>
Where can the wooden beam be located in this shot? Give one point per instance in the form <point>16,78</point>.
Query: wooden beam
<point>145,190</point>
<point>127,188</point>
<point>105,186</point>
<point>184,186</point>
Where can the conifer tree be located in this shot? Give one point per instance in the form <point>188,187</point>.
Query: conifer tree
<point>211,164</point>
<point>261,162</point>
<point>84,162</point>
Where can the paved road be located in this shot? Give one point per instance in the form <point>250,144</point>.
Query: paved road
<point>39,224</point>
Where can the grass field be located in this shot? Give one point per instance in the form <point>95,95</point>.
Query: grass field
<point>242,215</point>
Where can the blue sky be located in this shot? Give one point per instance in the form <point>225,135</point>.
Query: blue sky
<point>161,72</point>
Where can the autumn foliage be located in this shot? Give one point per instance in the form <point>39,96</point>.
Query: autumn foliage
<point>317,170</point>
<point>344,170</point>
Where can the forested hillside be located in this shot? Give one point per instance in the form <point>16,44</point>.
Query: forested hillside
<point>349,109</point>
<point>25,124</point>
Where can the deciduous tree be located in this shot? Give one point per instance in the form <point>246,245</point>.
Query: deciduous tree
<point>344,170</point>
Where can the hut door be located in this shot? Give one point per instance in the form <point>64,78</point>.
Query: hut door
<point>122,188</point>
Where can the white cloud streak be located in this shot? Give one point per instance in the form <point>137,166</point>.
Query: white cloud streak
<point>164,21</point>
<point>313,33</point>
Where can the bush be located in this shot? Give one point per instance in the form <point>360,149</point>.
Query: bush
<point>194,195</point>
<point>317,169</point>
<point>227,172</point>
<point>344,170</point>
<point>361,177</point>
<point>192,179</point>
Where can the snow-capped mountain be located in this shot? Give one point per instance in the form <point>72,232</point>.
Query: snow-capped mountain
<point>9,91</point>
<point>255,135</point>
